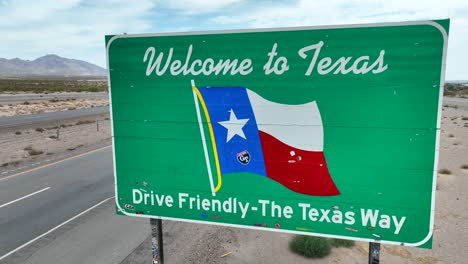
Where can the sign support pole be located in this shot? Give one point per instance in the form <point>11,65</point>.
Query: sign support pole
<point>374,253</point>
<point>157,241</point>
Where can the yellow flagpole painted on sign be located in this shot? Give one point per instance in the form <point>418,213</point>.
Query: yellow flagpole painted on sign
<point>210,128</point>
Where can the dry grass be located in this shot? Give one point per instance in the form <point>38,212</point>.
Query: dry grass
<point>427,260</point>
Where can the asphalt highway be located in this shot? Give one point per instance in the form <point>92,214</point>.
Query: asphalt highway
<point>21,98</point>
<point>41,118</point>
<point>68,188</point>
<point>65,207</point>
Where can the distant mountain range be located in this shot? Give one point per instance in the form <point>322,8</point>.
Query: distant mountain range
<point>49,65</point>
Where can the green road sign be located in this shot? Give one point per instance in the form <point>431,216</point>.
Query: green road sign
<point>329,131</point>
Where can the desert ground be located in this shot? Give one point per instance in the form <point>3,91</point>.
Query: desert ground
<point>192,243</point>
<point>27,146</point>
<point>55,102</point>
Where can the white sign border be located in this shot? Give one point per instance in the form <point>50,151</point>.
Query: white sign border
<point>215,32</point>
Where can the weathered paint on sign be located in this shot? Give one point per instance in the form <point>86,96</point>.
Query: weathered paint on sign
<point>329,131</point>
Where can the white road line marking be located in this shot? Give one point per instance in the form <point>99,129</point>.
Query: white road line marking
<point>53,163</point>
<point>24,197</point>
<point>55,228</point>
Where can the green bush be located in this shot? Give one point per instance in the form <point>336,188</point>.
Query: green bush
<point>311,247</point>
<point>342,242</point>
<point>48,86</point>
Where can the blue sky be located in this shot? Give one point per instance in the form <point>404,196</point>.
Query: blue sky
<point>76,28</point>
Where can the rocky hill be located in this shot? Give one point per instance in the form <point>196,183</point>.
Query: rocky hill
<point>49,65</point>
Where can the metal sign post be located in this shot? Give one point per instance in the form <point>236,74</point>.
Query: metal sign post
<point>374,253</point>
<point>157,241</point>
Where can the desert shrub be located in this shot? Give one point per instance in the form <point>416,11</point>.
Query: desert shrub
<point>47,86</point>
<point>464,166</point>
<point>18,133</point>
<point>32,151</point>
<point>342,242</point>
<point>309,246</point>
<point>445,171</point>
<point>83,122</point>
<point>73,148</point>
<point>40,129</point>
<point>93,89</point>
<point>11,163</point>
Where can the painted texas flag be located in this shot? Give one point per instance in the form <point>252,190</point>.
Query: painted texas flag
<point>279,141</point>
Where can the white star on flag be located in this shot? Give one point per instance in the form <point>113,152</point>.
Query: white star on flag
<point>234,126</point>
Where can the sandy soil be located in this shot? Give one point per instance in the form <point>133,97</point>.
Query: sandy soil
<point>52,105</point>
<point>26,147</point>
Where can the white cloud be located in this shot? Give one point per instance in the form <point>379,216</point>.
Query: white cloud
<point>31,29</point>
<point>332,12</point>
<point>23,12</point>
<point>76,28</point>
<point>304,12</point>
<point>199,6</point>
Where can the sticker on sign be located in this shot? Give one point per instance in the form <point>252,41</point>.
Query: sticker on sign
<point>329,131</point>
